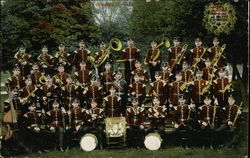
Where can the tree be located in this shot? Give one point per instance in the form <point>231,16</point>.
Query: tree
<point>184,18</point>
<point>35,23</point>
<point>112,17</point>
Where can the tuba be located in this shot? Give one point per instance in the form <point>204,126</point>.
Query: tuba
<point>114,44</point>
<point>42,80</point>
<point>165,43</point>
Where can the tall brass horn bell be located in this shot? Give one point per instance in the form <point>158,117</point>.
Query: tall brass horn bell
<point>42,80</point>
<point>115,44</point>
<point>165,42</point>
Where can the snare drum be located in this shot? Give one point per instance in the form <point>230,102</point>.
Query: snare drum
<point>153,141</point>
<point>88,142</point>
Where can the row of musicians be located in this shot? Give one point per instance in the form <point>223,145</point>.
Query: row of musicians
<point>129,55</point>
<point>167,90</point>
<point>82,120</point>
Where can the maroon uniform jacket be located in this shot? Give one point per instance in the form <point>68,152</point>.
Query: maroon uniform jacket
<point>77,116</point>
<point>229,113</point>
<point>196,54</point>
<point>161,112</point>
<point>174,91</point>
<point>206,114</point>
<point>83,77</point>
<point>181,115</point>
<point>139,89</point>
<point>135,115</point>
<point>15,81</point>
<point>174,53</point>
<point>151,55</point>
<point>112,108</point>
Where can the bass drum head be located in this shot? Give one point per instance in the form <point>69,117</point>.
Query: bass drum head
<point>153,141</point>
<point>88,142</point>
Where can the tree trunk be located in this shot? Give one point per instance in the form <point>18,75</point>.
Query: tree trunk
<point>243,87</point>
<point>245,73</point>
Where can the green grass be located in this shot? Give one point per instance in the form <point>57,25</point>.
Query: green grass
<point>172,152</point>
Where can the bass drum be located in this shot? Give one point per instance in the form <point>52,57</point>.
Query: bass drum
<point>88,142</point>
<point>153,141</point>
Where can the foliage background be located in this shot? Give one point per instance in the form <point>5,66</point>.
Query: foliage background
<point>35,23</point>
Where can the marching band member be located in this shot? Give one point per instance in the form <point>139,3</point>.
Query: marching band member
<point>100,54</point>
<point>139,71</point>
<point>197,87</point>
<point>23,60</point>
<point>33,127</point>
<point>16,80</point>
<point>174,53</point>
<point>112,108</point>
<point>69,91</point>
<point>129,55</point>
<point>187,73</point>
<point>36,74</point>
<point>46,61</point>
<point>154,59</point>
<point>49,92</point>
<point>206,119</point>
<point>83,75</point>
<point>61,76</point>
<point>93,91</point>
<point>138,89</point>
<point>107,78</point>
<point>176,89</point>
<point>166,73</point>
<point>157,115</point>
<point>158,88</point>
<point>62,56</point>
<point>76,122</point>
<point>197,54</point>
<point>181,120</point>
<point>81,54</point>
<point>96,121</point>
<point>28,92</point>
<point>56,125</point>
<point>135,117</point>
<point>214,51</point>
<point>221,86</point>
<point>229,123</point>
<point>121,87</point>
<point>208,71</point>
